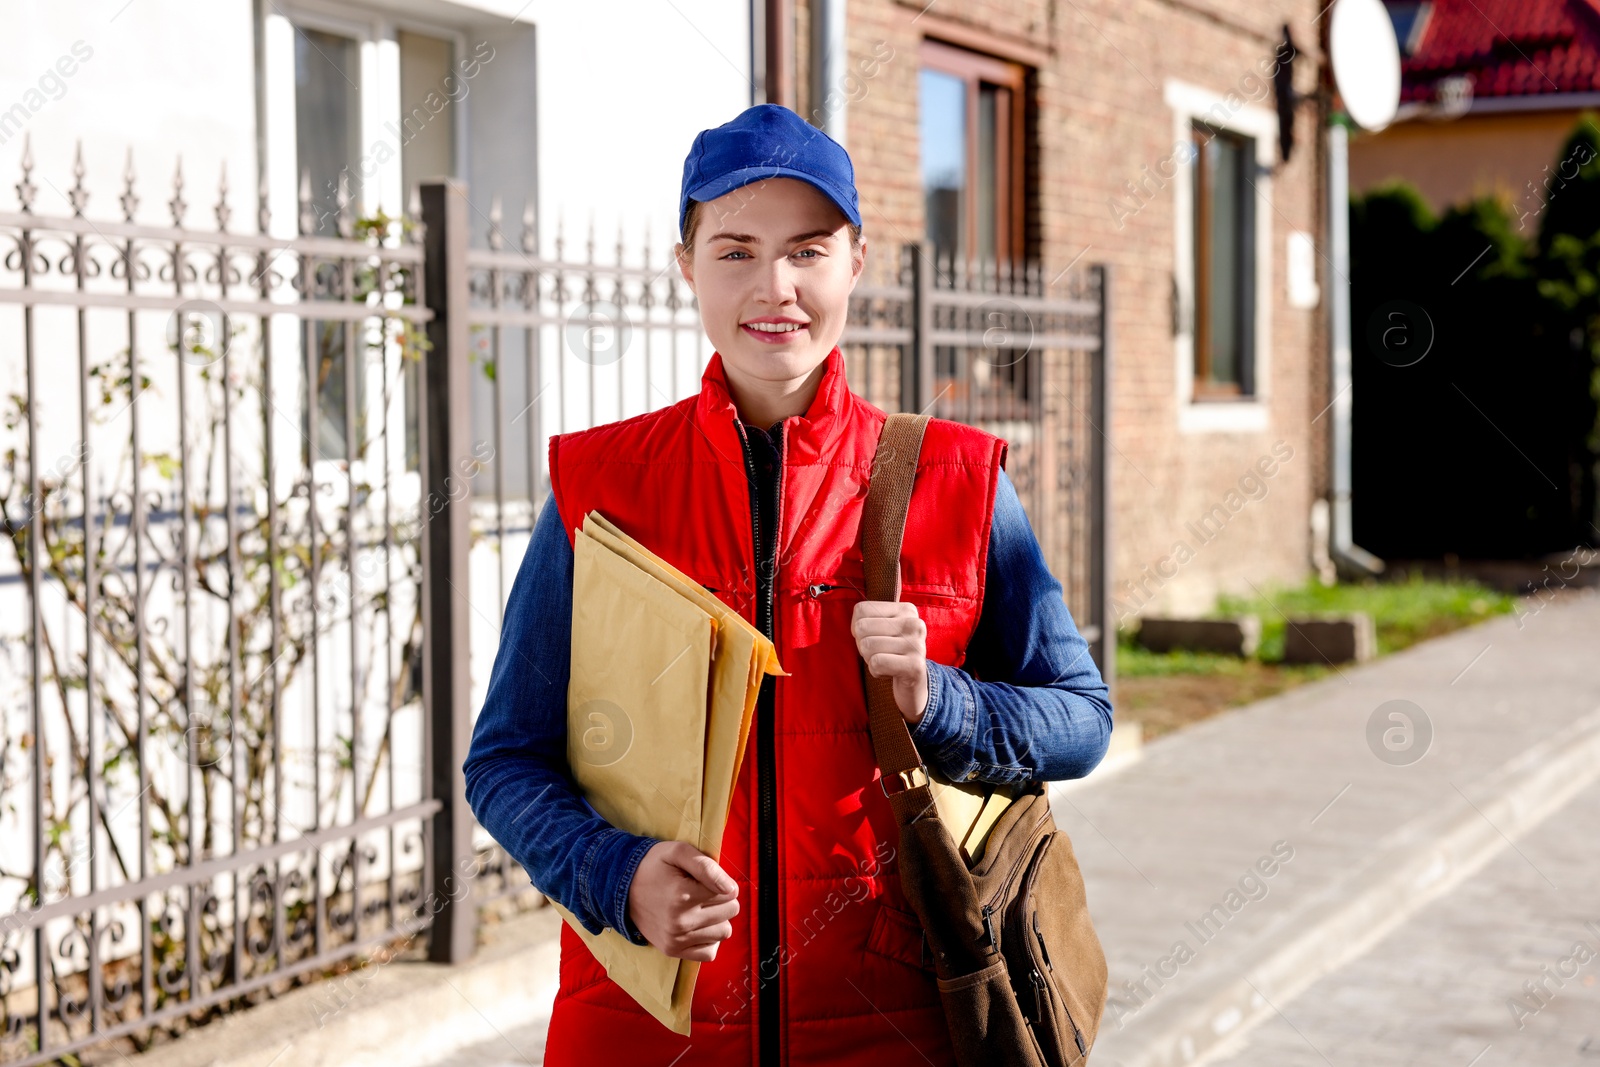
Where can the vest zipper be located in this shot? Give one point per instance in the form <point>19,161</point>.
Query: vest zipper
<point>766,770</point>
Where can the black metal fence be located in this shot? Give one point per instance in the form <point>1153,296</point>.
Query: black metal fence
<point>211,732</point>
<point>259,585</point>
<point>1020,353</point>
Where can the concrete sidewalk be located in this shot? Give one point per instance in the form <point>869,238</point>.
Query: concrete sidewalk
<point>1453,985</point>
<point>401,1014</point>
<point>1242,859</point>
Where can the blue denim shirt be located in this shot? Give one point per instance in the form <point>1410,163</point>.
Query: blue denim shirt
<point>1028,704</point>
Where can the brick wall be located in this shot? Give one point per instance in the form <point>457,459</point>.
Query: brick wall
<point>1103,120</point>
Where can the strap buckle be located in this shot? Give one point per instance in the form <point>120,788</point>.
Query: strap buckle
<point>905,778</point>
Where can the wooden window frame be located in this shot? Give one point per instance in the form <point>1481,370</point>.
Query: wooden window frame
<point>975,68</point>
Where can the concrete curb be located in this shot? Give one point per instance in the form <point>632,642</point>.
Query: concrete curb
<point>1417,864</point>
<point>401,1014</point>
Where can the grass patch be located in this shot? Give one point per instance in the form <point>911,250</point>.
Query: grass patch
<point>1403,613</point>
<point>1168,691</point>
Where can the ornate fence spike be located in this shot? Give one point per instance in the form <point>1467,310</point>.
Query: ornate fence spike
<point>529,241</point>
<point>78,195</point>
<point>177,204</point>
<point>346,212</point>
<point>561,236</point>
<point>497,240</point>
<point>308,217</point>
<point>591,235</point>
<point>130,200</point>
<point>619,245</point>
<point>224,213</point>
<point>26,190</point>
<point>263,213</point>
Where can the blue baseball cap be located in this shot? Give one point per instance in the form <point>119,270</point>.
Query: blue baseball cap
<point>767,141</point>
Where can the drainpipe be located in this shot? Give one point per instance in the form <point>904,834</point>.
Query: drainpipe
<point>828,67</point>
<point>1351,559</point>
<point>758,52</point>
<point>772,52</point>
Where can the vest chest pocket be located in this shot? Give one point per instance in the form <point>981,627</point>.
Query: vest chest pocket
<point>950,618</point>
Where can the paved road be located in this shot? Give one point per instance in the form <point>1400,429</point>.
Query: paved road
<point>1448,987</point>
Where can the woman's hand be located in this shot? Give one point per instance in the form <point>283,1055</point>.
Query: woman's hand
<point>682,901</point>
<point>892,639</point>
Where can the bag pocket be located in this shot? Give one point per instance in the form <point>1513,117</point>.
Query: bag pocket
<point>985,1023</point>
<point>1044,994</point>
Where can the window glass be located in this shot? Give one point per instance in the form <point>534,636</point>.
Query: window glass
<point>1223,265</point>
<point>327,138</point>
<point>988,162</point>
<point>429,89</point>
<point>943,112</point>
<point>327,106</point>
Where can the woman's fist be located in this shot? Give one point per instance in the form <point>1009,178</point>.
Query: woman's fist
<point>682,901</point>
<point>892,639</point>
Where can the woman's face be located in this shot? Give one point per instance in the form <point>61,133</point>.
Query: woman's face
<point>773,270</point>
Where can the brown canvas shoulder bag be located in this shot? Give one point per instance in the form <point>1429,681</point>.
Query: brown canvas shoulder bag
<point>1020,969</point>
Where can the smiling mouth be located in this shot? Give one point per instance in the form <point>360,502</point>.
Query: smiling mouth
<point>775,333</point>
<point>774,327</point>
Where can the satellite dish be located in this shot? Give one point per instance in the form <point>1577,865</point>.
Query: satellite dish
<point>1366,61</point>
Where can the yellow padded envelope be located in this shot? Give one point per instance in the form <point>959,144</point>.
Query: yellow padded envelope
<point>665,679</point>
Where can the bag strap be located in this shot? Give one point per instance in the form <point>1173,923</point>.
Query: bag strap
<point>883,522</point>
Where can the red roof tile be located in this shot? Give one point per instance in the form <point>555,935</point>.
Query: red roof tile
<point>1509,47</point>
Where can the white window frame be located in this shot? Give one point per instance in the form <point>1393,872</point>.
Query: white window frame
<point>1226,111</point>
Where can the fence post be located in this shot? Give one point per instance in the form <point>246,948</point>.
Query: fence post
<point>1104,648</point>
<point>916,369</point>
<point>446,466</point>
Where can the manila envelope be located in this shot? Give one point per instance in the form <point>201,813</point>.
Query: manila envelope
<point>665,678</point>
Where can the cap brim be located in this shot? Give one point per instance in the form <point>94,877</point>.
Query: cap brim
<point>727,183</point>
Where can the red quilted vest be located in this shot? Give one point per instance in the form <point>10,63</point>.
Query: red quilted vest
<point>853,987</point>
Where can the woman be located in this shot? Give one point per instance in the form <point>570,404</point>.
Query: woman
<point>754,487</point>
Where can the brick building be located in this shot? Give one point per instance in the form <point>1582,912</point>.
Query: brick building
<point>1079,127</point>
